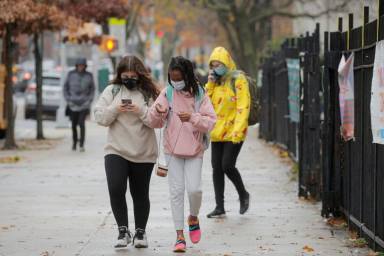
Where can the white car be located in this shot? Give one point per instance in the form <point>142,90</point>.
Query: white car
<point>52,93</point>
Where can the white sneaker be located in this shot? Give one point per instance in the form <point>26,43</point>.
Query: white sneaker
<point>124,238</point>
<point>140,239</point>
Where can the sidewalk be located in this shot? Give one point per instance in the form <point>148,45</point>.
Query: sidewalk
<point>56,203</point>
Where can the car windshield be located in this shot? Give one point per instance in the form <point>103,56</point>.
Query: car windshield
<point>52,81</point>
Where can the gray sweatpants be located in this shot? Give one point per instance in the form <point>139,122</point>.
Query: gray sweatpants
<point>184,173</point>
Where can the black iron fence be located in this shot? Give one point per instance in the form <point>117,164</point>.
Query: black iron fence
<point>347,176</point>
<point>301,139</point>
<point>353,170</point>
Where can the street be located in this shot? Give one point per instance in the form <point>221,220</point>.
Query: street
<point>55,202</point>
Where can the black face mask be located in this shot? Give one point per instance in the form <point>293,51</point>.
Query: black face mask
<point>129,83</point>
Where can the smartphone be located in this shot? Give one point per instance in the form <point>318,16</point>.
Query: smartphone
<point>126,101</point>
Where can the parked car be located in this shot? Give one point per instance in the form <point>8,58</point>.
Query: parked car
<point>20,81</point>
<point>52,93</point>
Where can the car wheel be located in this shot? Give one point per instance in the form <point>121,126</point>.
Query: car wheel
<point>2,133</point>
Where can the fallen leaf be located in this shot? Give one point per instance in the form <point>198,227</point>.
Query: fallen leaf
<point>283,154</point>
<point>359,243</point>
<point>337,222</point>
<point>9,159</point>
<point>308,249</point>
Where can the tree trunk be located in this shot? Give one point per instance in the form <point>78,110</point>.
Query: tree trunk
<point>10,142</point>
<point>39,86</point>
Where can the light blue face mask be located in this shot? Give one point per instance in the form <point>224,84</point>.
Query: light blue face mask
<point>220,70</point>
<point>179,85</point>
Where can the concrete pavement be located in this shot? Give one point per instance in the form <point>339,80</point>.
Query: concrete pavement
<point>55,202</point>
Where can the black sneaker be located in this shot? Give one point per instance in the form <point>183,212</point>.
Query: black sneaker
<point>140,239</point>
<point>74,147</point>
<point>244,203</point>
<point>217,213</point>
<point>124,237</point>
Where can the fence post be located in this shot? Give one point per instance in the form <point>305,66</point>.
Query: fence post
<point>340,24</point>
<point>326,167</point>
<point>350,27</point>
<point>365,21</point>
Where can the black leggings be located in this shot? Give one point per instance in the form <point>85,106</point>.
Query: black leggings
<point>118,170</point>
<point>78,119</point>
<point>224,157</point>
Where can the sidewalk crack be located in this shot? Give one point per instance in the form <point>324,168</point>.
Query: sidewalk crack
<point>101,225</point>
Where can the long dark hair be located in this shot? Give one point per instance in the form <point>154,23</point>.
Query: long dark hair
<point>185,66</point>
<point>145,83</point>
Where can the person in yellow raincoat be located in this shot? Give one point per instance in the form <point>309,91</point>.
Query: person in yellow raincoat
<point>229,92</point>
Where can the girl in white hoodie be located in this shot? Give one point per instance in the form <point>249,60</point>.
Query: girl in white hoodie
<point>131,149</point>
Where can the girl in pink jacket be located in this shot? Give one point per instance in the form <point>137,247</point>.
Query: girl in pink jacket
<point>188,117</point>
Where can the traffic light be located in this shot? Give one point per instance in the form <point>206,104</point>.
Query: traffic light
<point>160,34</point>
<point>108,44</point>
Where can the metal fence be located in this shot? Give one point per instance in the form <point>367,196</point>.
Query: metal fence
<point>354,170</point>
<point>302,140</point>
<point>347,176</point>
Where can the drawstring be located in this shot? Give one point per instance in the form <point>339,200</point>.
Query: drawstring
<point>174,146</point>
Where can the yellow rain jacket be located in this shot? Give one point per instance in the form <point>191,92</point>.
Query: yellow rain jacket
<point>231,107</point>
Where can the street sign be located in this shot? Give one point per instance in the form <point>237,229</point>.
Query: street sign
<point>117,29</point>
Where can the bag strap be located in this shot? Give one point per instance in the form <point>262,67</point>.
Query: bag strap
<point>169,95</point>
<point>198,99</point>
<point>234,77</point>
<point>115,90</point>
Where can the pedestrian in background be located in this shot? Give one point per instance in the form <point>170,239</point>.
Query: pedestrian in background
<point>79,91</point>
<point>187,114</point>
<point>200,73</point>
<point>229,92</point>
<point>131,150</point>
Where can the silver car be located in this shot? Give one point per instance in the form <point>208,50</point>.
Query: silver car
<point>52,93</point>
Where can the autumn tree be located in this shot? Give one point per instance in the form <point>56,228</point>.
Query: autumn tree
<point>97,11</point>
<point>13,14</point>
<point>47,18</point>
<point>181,25</point>
<point>247,23</point>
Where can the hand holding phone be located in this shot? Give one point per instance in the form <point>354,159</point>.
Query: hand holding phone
<point>126,101</point>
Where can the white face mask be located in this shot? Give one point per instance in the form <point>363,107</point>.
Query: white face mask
<point>179,85</point>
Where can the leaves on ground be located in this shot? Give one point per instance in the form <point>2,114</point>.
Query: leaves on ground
<point>308,249</point>
<point>9,159</point>
<point>47,253</point>
<point>359,242</point>
<point>283,154</point>
<point>308,199</point>
<point>32,144</point>
<point>337,222</point>
<point>7,227</point>
<point>372,253</point>
<point>293,173</point>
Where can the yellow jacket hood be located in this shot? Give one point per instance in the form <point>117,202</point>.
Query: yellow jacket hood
<point>222,55</point>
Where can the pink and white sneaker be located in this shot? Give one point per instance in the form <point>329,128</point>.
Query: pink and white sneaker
<point>181,245</point>
<point>194,231</point>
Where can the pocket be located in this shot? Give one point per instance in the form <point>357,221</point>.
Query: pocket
<point>184,142</point>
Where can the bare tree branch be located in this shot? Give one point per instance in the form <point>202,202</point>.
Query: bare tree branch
<point>287,13</point>
<point>216,5</point>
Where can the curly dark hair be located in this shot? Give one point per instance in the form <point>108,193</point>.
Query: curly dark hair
<point>185,66</point>
<point>145,83</point>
